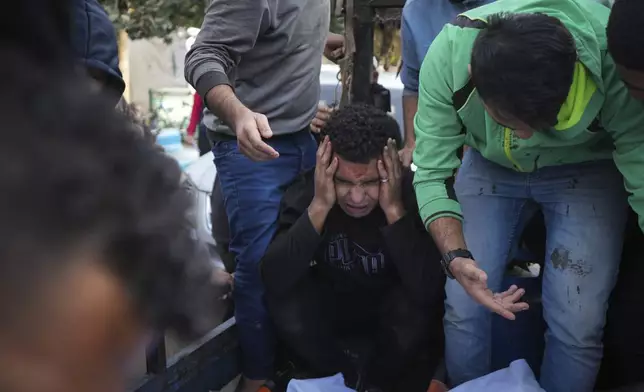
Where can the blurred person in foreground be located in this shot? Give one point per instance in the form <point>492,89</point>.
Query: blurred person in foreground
<point>257,65</point>
<point>95,47</point>
<point>96,257</point>
<point>351,259</point>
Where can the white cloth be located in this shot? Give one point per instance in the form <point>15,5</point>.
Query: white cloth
<point>516,378</point>
<point>328,384</point>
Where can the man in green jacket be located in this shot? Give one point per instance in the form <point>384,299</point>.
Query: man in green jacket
<point>529,86</point>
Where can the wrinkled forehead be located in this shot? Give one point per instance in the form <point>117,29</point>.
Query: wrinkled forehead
<point>357,172</point>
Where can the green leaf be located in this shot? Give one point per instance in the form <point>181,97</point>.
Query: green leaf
<point>154,18</point>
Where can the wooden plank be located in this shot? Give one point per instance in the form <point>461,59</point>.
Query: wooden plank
<point>387,3</point>
<point>207,365</point>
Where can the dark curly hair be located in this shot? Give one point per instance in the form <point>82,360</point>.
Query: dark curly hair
<point>359,132</point>
<point>626,34</point>
<point>76,174</point>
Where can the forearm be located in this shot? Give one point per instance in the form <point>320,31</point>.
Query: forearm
<point>395,214</point>
<point>229,30</point>
<point>225,104</point>
<point>447,233</point>
<point>317,215</point>
<point>410,107</point>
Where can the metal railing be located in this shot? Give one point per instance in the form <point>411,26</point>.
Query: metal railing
<point>206,365</point>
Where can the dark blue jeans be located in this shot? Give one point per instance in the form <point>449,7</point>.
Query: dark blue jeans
<point>585,210</point>
<point>252,193</point>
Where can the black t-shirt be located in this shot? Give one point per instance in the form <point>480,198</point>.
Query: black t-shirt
<point>361,257</point>
<point>352,255</point>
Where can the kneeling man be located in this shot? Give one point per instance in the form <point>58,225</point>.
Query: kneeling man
<point>351,258</point>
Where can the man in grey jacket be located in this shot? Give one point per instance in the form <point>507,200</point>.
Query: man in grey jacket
<point>257,64</point>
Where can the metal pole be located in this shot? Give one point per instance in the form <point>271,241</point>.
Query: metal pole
<point>363,58</point>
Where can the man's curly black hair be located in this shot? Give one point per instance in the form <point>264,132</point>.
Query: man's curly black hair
<point>75,174</point>
<point>625,34</point>
<point>359,132</point>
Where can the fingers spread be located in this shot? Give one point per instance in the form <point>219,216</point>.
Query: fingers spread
<point>395,158</point>
<point>386,158</point>
<point>486,298</point>
<point>381,170</point>
<point>517,307</point>
<point>509,299</point>
<point>512,290</point>
<point>333,167</point>
<point>322,148</point>
<point>326,154</point>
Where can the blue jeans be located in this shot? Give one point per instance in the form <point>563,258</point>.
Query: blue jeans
<point>252,193</point>
<point>585,210</point>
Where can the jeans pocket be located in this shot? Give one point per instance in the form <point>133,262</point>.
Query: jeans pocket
<point>224,149</point>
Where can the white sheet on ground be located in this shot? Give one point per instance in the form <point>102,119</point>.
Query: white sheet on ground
<point>328,384</point>
<point>516,378</point>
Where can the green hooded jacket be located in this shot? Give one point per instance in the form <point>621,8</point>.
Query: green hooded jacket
<point>599,119</point>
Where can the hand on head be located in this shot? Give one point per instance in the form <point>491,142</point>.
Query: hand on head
<point>390,171</point>
<point>325,168</point>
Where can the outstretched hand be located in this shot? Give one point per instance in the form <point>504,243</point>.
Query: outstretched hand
<point>474,281</point>
<point>251,129</point>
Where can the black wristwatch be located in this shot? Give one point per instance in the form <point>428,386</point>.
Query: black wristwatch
<point>450,256</point>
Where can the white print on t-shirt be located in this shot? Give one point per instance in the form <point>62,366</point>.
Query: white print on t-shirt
<point>345,255</point>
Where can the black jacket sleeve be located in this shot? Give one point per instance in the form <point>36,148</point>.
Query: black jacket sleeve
<point>289,257</point>
<point>414,253</point>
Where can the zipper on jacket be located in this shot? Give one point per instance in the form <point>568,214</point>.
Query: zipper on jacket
<point>507,148</point>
